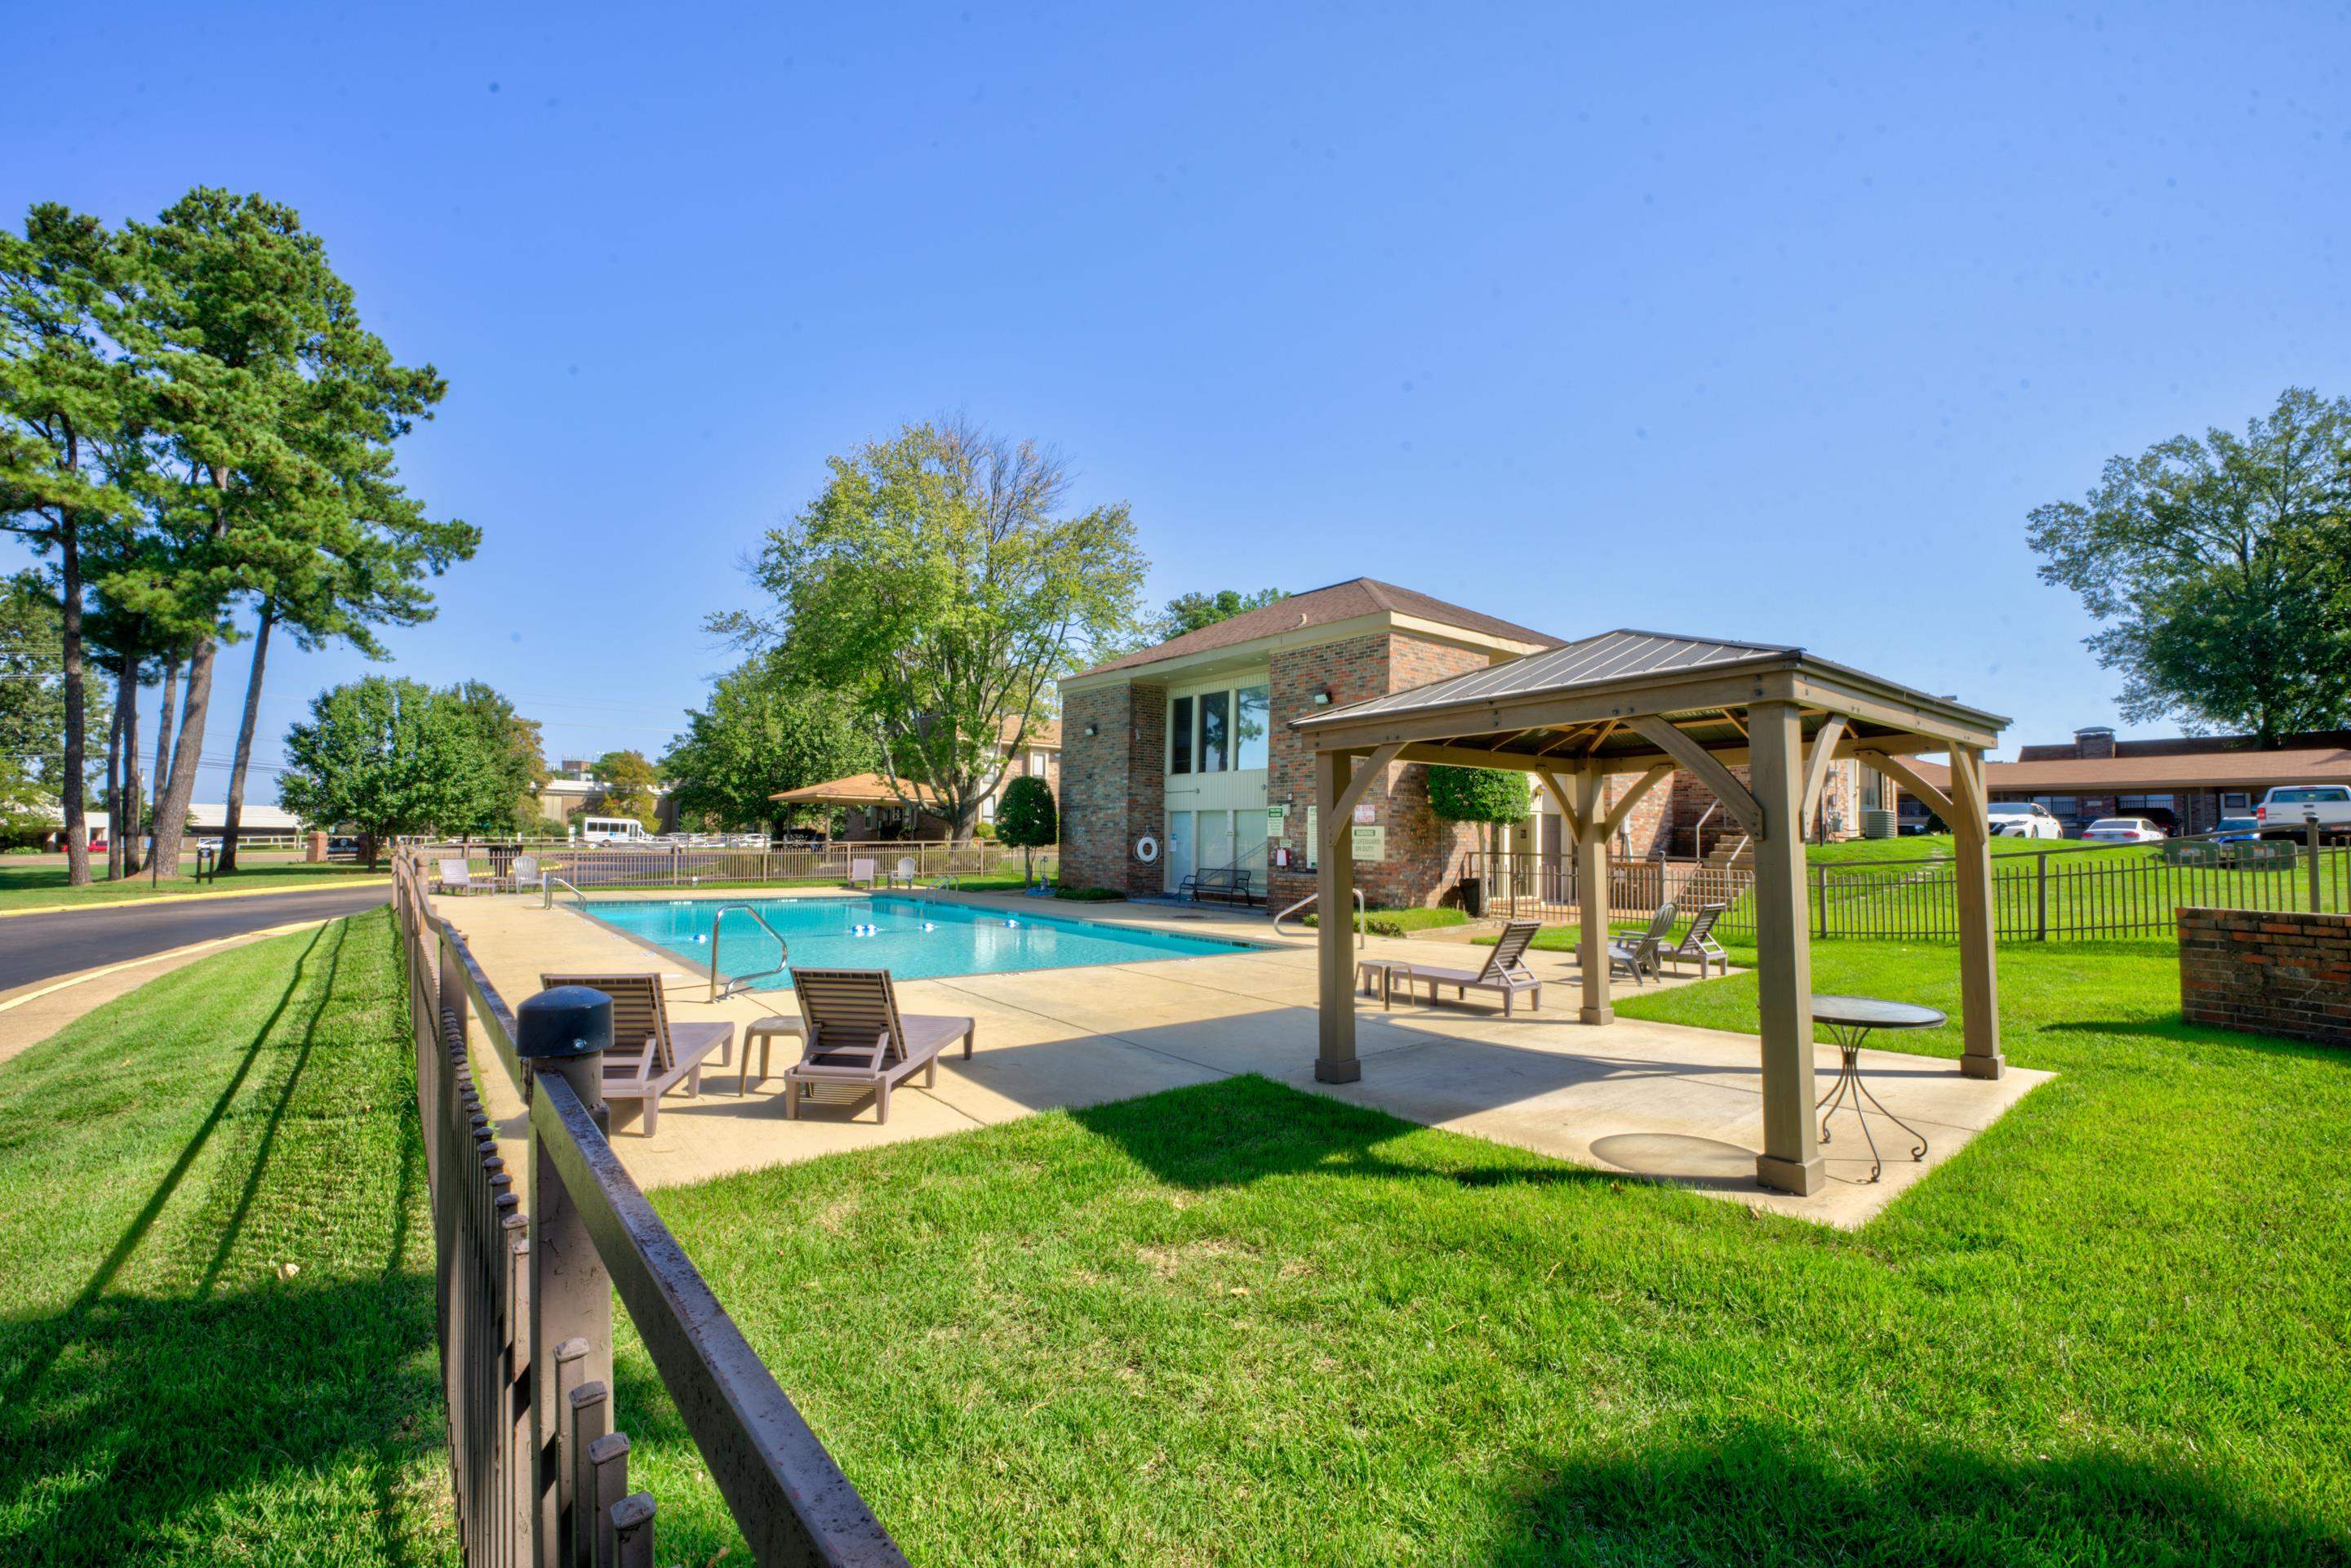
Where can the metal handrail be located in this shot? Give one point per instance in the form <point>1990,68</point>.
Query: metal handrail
<point>721,987</point>
<point>1362,934</point>
<point>549,882</point>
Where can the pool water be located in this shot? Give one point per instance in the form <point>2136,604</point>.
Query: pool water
<point>914,938</point>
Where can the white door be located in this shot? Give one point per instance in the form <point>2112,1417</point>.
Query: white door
<point>1179,858</point>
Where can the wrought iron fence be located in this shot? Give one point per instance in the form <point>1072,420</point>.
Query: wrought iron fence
<point>2067,893</point>
<point>690,865</point>
<point>524,1285</point>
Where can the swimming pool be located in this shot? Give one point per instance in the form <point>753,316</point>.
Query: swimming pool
<point>914,938</point>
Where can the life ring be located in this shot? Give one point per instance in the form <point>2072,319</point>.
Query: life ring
<point>1146,849</point>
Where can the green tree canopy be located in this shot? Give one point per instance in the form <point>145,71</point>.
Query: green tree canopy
<point>1190,611</point>
<point>33,707</point>
<point>389,757</point>
<point>1025,820</point>
<point>940,584</point>
<point>2215,564</point>
<point>518,767</point>
<point>1478,794</point>
<point>632,787</point>
<point>759,734</point>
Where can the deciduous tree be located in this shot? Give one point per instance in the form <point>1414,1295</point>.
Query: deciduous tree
<point>940,583</point>
<point>2210,561</point>
<point>1026,820</point>
<point>757,736</point>
<point>1190,611</point>
<point>388,757</point>
<point>632,787</point>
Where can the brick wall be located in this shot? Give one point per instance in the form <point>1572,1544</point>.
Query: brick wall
<point>1424,857</point>
<point>2281,974</point>
<point>1112,786</point>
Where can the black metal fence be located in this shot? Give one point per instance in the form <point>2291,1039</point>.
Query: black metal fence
<point>2070,892</point>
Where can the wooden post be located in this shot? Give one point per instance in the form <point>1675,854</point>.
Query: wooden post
<point>2317,878</point>
<point>571,1290</point>
<point>1979,979</point>
<point>1334,886</point>
<point>1592,892</point>
<point>1790,1160</point>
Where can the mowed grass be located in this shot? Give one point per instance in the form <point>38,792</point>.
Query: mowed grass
<point>215,1272</point>
<point>44,886</point>
<point>1237,1324</point>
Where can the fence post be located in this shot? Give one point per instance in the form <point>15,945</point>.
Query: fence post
<point>2041,896</point>
<point>1821,880</point>
<point>564,1031</point>
<point>2317,893</point>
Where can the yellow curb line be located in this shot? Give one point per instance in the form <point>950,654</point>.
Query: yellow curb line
<point>101,973</point>
<point>326,886</point>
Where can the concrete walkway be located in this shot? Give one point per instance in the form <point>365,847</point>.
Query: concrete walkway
<point>1647,1099</point>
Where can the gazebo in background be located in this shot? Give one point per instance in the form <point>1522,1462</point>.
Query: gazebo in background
<point>1639,705</point>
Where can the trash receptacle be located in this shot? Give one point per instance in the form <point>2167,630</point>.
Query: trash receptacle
<point>1473,897</point>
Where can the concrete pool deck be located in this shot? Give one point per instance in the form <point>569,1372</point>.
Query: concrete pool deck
<point>1645,1099</point>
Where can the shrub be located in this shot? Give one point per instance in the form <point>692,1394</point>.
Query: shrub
<point>1025,819</point>
<point>1089,894</point>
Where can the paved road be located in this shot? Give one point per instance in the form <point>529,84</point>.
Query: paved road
<point>35,947</point>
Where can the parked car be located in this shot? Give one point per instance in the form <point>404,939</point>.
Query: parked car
<point>2236,831</point>
<point>2288,810</point>
<point>2024,819</point>
<point>2123,831</point>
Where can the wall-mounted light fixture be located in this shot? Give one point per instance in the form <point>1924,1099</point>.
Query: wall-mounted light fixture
<point>1093,729</point>
<point>1322,697</point>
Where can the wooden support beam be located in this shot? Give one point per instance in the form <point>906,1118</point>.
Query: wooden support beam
<point>1600,739</point>
<point>1732,719</point>
<point>1902,774</point>
<point>1733,795</point>
<point>1334,886</point>
<point>1631,797</point>
<point>1978,974</point>
<point>1592,893</point>
<point>1790,1160</point>
<point>1816,766</point>
<point>1566,804</point>
<point>1336,822</point>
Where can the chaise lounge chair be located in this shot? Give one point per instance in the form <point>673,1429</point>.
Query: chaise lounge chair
<point>1638,958</point>
<point>457,877</point>
<point>1698,942</point>
<point>1506,970</point>
<point>650,1054</point>
<point>858,1040</point>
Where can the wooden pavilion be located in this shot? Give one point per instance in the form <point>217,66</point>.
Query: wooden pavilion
<point>1638,705</point>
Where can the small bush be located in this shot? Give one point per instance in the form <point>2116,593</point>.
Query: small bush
<point>1403,922</point>
<point>1089,894</point>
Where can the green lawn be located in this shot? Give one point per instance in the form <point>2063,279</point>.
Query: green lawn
<point>1237,1323</point>
<point>215,1272</point>
<point>40,887</point>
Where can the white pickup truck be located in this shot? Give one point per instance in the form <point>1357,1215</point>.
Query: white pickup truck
<point>2288,810</point>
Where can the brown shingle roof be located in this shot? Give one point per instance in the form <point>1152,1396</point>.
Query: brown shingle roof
<point>2193,770</point>
<point>1045,732</point>
<point>1321,607</point>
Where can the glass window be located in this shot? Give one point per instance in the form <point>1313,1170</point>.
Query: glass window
<point>1253,705</point>
<point>1179,731</point>
<point>1215,733</point>
<point>2236,800</point>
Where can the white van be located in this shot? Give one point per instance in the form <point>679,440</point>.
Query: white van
<point>613,830</point>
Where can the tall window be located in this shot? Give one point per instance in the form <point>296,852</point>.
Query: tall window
<point>1179,731</point>
<point>1252,708</point>
<point>1216,737</point>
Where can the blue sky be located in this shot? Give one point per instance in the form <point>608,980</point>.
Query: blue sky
<point>1769,325</point>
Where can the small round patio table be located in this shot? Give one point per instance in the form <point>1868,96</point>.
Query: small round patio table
<point>1850,1021</point>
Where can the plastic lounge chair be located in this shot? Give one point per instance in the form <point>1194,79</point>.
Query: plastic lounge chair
<point>862,873</point>
<point>1698,942</point>
<point>904,875</point>
<point>650,1053</point>
<point>457,877</point>
<point>523,874</point>
<point>1506,970</point>
<point>858,1040</point>
<point>1638,958</point>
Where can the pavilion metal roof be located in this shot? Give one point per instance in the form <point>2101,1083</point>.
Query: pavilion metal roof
<point>1506,711</point>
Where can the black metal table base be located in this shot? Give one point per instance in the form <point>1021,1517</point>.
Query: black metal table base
<point>1849,1087</point>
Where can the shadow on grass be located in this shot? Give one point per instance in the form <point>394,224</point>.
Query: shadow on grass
<point>1248,1128</point>
<point>1760,1495</point>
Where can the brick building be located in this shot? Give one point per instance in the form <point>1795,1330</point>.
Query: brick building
<point>1183,751</point>
<point>2182,783</point>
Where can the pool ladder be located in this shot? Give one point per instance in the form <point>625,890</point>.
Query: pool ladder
<point>722,986</point>
<point>1362,935</point>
